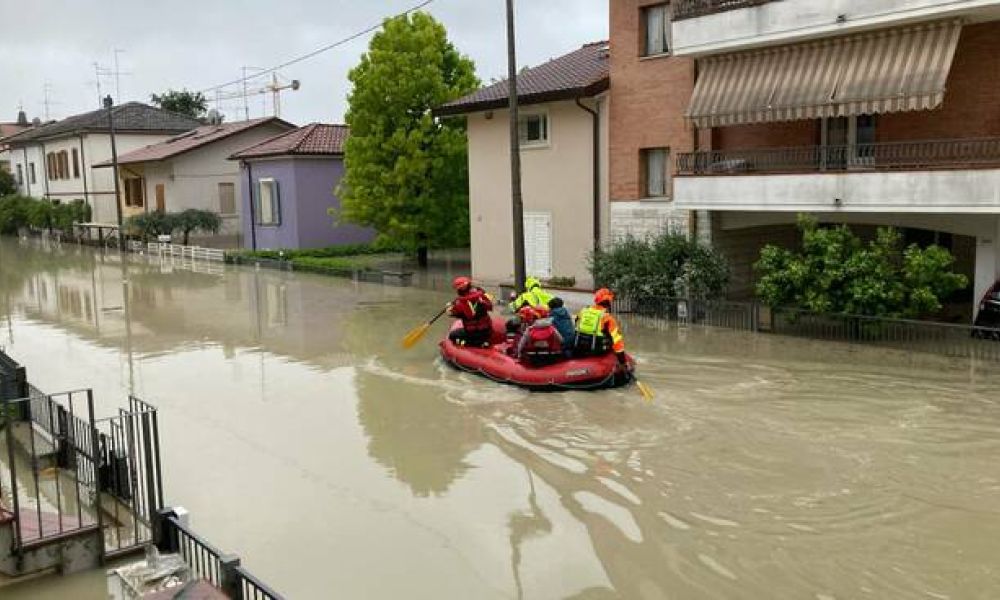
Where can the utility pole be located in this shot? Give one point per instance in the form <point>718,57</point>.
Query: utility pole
<point>118,84</point>
<point>515,155</point>
<point>97,80</point>
<point>46,88</point>
<point>246,103</point>
<point>109,104</point>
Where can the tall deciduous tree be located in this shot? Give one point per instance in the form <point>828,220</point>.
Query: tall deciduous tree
<point>192,104</point>
<point>406,171</point>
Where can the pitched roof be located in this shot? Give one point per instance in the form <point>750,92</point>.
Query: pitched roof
<point>129,117</point>
<point>9,129</point>
<point>583,72</point>
<point>190,140</point>
<point>310,140</point>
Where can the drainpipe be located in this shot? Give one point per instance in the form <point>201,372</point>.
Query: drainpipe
<point>27,173</point>
<point>596,151</point>
<point>83,169</point>
<point>253,218</point>
<point>45,156</point>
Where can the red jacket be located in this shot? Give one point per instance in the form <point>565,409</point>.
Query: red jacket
<point>473,308</point>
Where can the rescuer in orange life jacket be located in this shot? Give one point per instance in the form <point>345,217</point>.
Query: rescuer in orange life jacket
<point>472,306</point>
<point>596,330</point>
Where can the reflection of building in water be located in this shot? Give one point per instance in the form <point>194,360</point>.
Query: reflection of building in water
<point>170,307</point>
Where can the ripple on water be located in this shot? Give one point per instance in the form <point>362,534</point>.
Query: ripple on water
<point>617,515</point>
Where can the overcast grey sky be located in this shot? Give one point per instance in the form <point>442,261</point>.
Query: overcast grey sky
<point>199,44</point>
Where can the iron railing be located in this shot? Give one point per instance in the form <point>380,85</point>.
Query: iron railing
<point>948,339</point>
<point>687,9</point>
<point>221,570</point>
<point>926,154</point>
<point>658,313</point>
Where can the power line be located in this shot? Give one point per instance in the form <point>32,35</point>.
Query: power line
<point>318,51</point>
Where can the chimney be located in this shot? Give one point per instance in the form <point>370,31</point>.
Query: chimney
<point>22,119</point>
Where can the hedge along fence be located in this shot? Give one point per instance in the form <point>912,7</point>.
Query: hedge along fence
<point>18,212</point>
<point>668,265</point>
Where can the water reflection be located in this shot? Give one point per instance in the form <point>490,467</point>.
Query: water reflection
<point>767,467</point>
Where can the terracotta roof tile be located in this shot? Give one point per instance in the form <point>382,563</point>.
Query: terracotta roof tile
<point>583,72</point>
<point>312,139</point>
<point>190,140</point>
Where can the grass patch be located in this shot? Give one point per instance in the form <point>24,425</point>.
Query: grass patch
<point>333,259</point>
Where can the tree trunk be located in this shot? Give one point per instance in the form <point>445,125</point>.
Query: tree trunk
<point>422,257</point>
<point>187,233</point>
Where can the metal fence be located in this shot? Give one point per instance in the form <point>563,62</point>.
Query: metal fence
<point>948,339</point>
<point>207,562</point>
<point>164,249</point>
<point>687,9</point>
<point>954,153</point>
<point>51,471</point>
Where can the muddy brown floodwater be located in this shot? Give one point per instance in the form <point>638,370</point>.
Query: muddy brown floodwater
<point>298,434</point>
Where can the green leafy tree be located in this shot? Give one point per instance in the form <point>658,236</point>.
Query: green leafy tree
<point>665,266</point>
<point>8,185</point>
<point>152,224</point>
<point>41,214</point>
<point>192,104</point>
<point>14,213</point>
<point>835,272</point>
<point>194,219</point>
<point>406,171</point>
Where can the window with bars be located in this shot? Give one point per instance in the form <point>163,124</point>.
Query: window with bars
<point>656,19</point>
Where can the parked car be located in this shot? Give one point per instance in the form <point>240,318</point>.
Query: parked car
<point>989,314</point>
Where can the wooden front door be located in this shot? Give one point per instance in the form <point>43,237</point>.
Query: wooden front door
<point>161,200</point>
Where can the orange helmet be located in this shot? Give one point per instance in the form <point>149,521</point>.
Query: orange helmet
<point>527,314</point>
<point>603,295</point>
<point>461,282</point>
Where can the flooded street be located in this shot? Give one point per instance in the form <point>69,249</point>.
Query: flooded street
<point>301,437</point>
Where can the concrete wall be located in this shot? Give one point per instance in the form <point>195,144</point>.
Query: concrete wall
<point>556,178</point>
<point>945,191</point>
<point>305,187</point>
<point>795,20</point>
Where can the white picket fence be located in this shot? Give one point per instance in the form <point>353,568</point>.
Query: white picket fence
<point>163,249</point>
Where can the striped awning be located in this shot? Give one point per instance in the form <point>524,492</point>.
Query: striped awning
<point>876,72</point>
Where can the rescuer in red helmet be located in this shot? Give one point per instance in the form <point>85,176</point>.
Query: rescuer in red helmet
<point>472,306</point>
<point>596,330</point>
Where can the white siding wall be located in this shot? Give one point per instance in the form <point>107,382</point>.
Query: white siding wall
<point>793,20</point>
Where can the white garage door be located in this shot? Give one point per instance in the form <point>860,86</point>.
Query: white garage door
<point>538,244</point>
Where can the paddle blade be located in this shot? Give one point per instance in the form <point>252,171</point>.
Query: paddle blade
<point>645,390</point>
<point>414,336</point>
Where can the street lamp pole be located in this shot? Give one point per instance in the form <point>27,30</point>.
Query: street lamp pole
<point>515,155</point>
<point>109,104</point>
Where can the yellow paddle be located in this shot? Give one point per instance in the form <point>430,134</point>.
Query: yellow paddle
<point>411,339</point>
<point>645,390</point>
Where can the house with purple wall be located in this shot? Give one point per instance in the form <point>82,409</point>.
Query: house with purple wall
<point>290,184</point>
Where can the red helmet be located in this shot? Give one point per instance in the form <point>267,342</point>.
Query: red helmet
<point>603,295</point>
<point>461,282</point>
<point>527,314</point>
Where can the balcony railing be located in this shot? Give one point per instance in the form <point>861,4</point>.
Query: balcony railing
<point>930,154</point>
<point>687,9</point>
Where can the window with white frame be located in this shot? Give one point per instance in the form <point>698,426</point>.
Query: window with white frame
<point>656,18</point>
<point>533,129</point>
<point>31,173</point>
<point>20,174</point>
<point>656,171</point>
<point>268,202</point>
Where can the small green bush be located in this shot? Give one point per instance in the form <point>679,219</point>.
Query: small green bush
<point>668,265</point>
<point>21,211</point>
<point>835,272</point>
<point>8,185</point>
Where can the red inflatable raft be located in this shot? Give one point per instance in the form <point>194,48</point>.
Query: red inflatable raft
<point>585,373</point>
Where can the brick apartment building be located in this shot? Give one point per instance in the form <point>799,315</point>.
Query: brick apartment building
<point>868,113</point>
